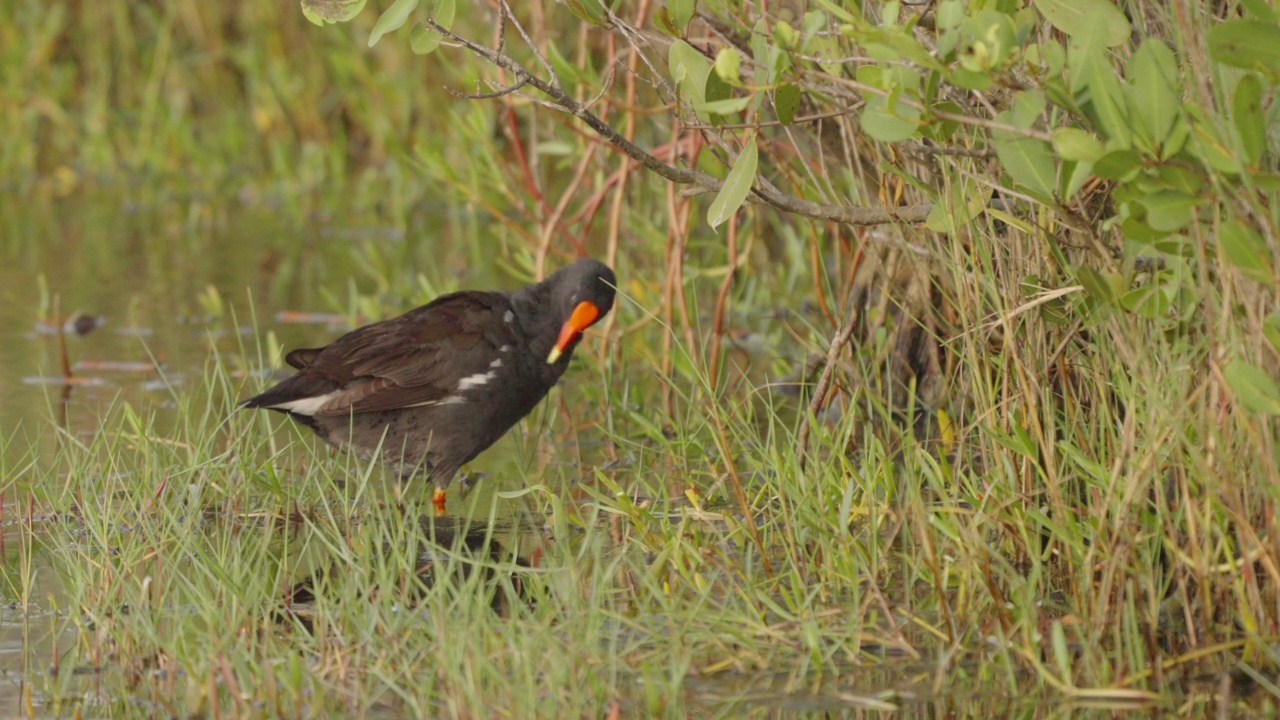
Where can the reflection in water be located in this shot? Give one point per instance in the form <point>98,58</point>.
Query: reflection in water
<point>448,550</point>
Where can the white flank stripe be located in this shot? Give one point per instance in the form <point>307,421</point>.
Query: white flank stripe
<point>451,400</point>
<point>424,403</point>
<point>477,380</point>
<point>307,406</point>
<point>496,363</point>
<point>505,348</point>
<point>508,316</point>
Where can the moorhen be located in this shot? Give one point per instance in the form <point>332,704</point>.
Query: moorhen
<point>437,385</point>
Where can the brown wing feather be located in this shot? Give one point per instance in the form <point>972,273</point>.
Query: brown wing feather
<point>417,358</point>
<point>302,357</point>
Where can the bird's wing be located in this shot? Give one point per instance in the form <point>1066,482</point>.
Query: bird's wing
<point>423,357</point>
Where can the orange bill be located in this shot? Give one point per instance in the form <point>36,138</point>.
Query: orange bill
<point>581,319</point>
<point>437,500</point>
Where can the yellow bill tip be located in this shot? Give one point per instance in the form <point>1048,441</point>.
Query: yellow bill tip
<point>554,355</point>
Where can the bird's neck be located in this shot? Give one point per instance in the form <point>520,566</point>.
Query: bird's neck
<point>537,319</point>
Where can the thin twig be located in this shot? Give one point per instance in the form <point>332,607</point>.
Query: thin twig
<point>686,176</point>
<point>533,47</point>
<point>489,95</point>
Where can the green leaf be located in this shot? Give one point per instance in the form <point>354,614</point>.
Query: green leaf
<point>1253,387</point>
<point>1246,111</point>
<point>737,185</point>
<point>1246,249</point>
<point>716,89</point>
<point>728,65</point>
<point>1271,329</point>
<point>724,107</point>
<point>1074,17</point>
<point>1096,87</point>
<point>963,201</point>
<point>763,53</point>
<point>1150,301</point>
<point>825,48</point>
<point>1118,165</point>
<point>689,69</point>
<point>786,36</point>
<point>1170,210</point>
<point>948,16</point>
<point>323,12</point>
<point>1153,93</point>
<point>786,100</point>
<point>391,19</point>
<point>1246,44</point>
<point>878,122</point>
<point>1261,10</point>
<point>1075,175</point>
<point>814,22</point>
<point>1028,161</point>
<point>680,12</point>
<point>588,11</point>
<point>423,41</point>
<point>1207,147</point>
<point>988,38</point>
<point>1076,144</point>
<point>1027,108</point>
<point>1096,285</point>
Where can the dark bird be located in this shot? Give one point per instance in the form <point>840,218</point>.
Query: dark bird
<point>439,384</point>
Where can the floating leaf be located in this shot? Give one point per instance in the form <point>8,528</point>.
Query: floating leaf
<point>391,19</point>
<point>1253,387</point>
<point>737,185</point>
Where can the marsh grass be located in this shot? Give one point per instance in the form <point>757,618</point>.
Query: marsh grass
<point>875,580</point>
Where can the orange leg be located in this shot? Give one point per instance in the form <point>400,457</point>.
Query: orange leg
<point>438,501</point>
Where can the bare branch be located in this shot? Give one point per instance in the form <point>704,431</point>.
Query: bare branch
<point>490,95</point>
<point>846,214</point>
